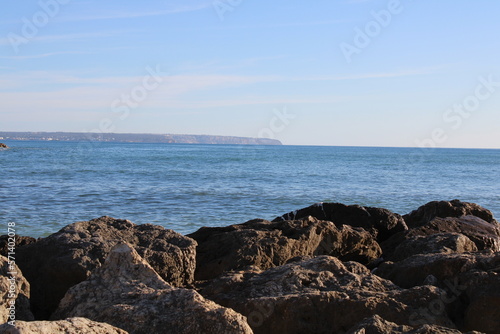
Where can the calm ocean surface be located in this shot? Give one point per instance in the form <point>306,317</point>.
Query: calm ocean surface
<point>47,185</point>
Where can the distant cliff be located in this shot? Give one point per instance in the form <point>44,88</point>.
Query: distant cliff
<point>137,138</point>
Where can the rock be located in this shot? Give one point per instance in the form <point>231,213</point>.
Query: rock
<point>377,325</point>
<point>381,222</point>
<point>73,325</point>
<point>54,264</point>
<point>265,244</point>
<point>414,270</point>
<point>14,292</point>
<point>445,243</point>
<point>444,209</point>
<point>126,292</point>
<point>19,241</point>
<point>482,307</point>
<point>320,295</point>
<point>2,145</point>
<point>485,236</point>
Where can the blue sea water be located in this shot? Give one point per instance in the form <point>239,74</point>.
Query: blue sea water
<point>47,185</point>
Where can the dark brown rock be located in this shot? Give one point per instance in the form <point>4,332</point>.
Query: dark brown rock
<point>265,244</point>
<point>73,325</point>
<point>445,243</point>
<point>482,311</point>
<point>19,241</point>
<point>485,236</point>
<point>2,145</point>
<point>377,325</point>
<point>14,292</point>
<point>414,270</point>
<point>320,295</point>
<point>444,209</point>
<point>54,264</point>
<point>127,293</point>
<point>381,222</point>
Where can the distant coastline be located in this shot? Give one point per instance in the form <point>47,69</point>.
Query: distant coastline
<point>137,138</point>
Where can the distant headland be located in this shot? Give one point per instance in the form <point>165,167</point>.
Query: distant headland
<point>137,138</point>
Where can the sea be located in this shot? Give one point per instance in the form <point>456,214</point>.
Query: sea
<point>46,185</point>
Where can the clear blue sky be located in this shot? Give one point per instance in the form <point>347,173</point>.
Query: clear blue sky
<point>229,67</point>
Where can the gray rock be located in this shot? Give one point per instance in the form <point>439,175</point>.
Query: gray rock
<point>265,244</point>
<point>54,264</point>
<point>14,293</point>
<point>69,326</point>
<point>320,295</point>
<point>127,293</point>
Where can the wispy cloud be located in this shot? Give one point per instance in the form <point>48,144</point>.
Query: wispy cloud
<point>137,14</point>
<point>71,37</point>
<point>43,55</point>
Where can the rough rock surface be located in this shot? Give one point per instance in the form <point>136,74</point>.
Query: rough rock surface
<point>265,244</point>
<point>482,289</point>
<point>414,270</point>
<point>445,243</point>
<point>17,290</point>
<point>126,292</point>
<point>377,325</point>
<point>20,241</point>
<point>381,222</point>
<point>472,282</point>
<point>2,145</point>
<point>443,209</point>
<point>320,295</point>
<point>73,325</point>
<point>54,264</point>
<point>483,234</point>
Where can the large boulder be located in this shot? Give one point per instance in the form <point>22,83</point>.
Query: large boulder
<point>414,270</point>
<point>377,325</point>
<point>443,209</point>
<point>472,283</point>
<point>126,292</point>
<point>14,292</point>
<point>482,307</point>
<point>18,242</point>
<point>484,235</point>
<point>445,243</point>
<point>265,244</point>
<point>381,222</point>
<point>73,325</point>
<point>319,295</point>
<point>54,264</point>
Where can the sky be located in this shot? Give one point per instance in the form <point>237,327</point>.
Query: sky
<point>397,73</point>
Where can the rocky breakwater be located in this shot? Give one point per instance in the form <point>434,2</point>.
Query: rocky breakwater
<point>328,268</point>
